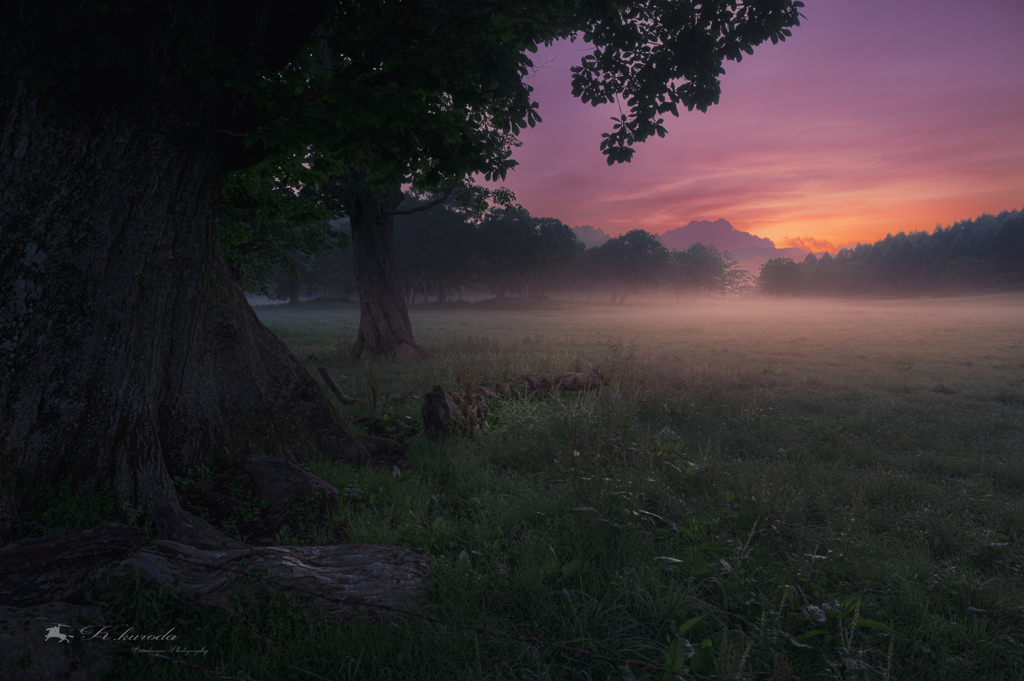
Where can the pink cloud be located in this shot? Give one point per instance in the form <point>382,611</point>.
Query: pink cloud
<point>807,243</point>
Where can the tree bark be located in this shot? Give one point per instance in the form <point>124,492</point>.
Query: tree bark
<point>384,326</point>
<point>128,352</point>
<point>353,576</point>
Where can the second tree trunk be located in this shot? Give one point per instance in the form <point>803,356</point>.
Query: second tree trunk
<point>384,326</point>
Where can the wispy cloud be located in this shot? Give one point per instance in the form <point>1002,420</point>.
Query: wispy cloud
<point>807,243</point>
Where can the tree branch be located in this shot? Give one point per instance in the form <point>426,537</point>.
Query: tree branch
<point>335,388</point>
<point>426,206</point>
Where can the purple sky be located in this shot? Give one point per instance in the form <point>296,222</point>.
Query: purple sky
<point>876,116</point>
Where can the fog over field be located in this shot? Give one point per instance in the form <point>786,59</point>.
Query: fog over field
<point>777,469</point>
<point>973,344</point>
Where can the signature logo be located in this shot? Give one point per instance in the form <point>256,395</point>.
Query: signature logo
<point>118,633</point>
<point>54,632</point>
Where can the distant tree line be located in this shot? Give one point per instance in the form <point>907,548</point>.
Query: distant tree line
<point>511,253</point>
<point>507,251</point>
<point>983,254</point>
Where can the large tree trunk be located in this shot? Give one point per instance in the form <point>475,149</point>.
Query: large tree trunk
<point>128,352</point>
<point>384,326</point>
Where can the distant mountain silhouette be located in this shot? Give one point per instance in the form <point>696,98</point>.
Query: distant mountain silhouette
<point>751,251</point>
<point>719,233</point>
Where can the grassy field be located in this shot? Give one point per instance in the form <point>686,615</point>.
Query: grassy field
<point>768,489</point>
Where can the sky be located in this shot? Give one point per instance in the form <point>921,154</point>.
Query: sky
<point>875,117</point>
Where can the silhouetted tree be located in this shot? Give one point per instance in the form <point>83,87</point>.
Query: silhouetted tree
<point>629,263</point>
<point>986,253</point>
<point>703,267</point>
<point>779,275</point>
<point>592,237</point>
<point>438,249</point>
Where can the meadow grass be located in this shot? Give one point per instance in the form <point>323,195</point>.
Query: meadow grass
<point>766,490</point>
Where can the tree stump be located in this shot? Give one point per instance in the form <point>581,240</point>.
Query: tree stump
<point>452,412</point>
<point>438,412</point>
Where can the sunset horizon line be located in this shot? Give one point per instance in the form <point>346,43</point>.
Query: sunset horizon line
<point>811,244</point>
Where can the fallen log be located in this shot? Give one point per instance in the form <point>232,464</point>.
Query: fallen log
<point>452,412</point>
<point>566,380</point>
<point>335,388</point>
<point>349,576</point>
<point>58,567</point>
<point>493,390</point>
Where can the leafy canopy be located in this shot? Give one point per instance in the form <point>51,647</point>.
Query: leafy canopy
<point>427,93</point>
